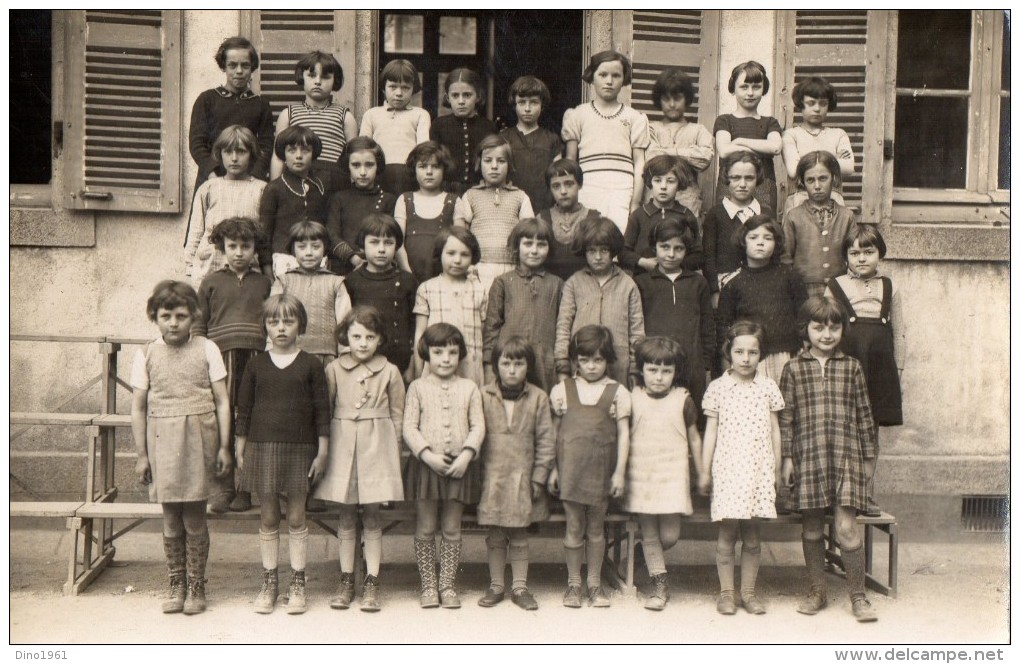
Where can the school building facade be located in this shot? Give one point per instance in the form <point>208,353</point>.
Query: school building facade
<point>99,215</point>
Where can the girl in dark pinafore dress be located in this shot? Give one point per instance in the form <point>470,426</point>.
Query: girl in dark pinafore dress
<point>424,213</point>
<point>868,299</point>
<point>592,413</point>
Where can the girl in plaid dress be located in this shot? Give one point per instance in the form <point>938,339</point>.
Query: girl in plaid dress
<point>829,448</point>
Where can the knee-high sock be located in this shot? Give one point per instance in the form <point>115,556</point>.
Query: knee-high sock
<point>814,560</point>
<point>750,559</point>
<point>269,547</point>
<point>596,552</point>
<point>853,564</point>
<point>373,550</point>
<point>575,557</point>
<point>724,563</point>
<point>348,542</point>
<point>654,560</point>
<point>298,543</point>
<point>519,563</point>
<point>497,559</point>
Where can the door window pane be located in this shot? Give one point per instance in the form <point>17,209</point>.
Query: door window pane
<point>934,50</point>
<point>458,35</point>
<point>404,34</point>
<point>931,142</point>
<point>1005,54</point>
<point>30,95</point>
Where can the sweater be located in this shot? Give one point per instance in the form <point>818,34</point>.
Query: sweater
<point>217,109</point>
<point>232,309</point>
<point>680,309</point>
<point>178,378</point>
<point>283,205</point>
<point>722,253</point>
<point>637,242</point>
<point>347,209</point>
<point>769,295</point>
<point>326,302</point>
<point>289,405</point>
<point>392,293</point>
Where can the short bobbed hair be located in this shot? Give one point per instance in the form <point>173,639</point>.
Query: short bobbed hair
<point>820,309</point>
<point>428,151</point>
<point>592,340</point>
<point>603,57</point>
<point>400,71</point>
<point>664,164</point>
<point>743,328</point>
<point>298,136</point>
<point>284,305</point>
<point>235,228</point>
<point>364,315</point>
<point>170,294</point>
<point>599,232</point>
<point>233,137</point>
<point>866,235</point>
<point>754,72</point>
<point>229,44</point>
<point>529,86</point>
<point>439,335</point>
<point>363,144</point>
<point>673,82</point>
<point>661,350</point>
<point>816,87</point>
<point>326,62</point>
<point>668,229</point>
<point>494,142</point>
<point>308,231</point>
<point>732,160</point>
<point>532,228</point>
<point>514,348</point>
<point>755,222</point>
<point>460,234</point>
<point>380,224</point>
<point>564,167</point>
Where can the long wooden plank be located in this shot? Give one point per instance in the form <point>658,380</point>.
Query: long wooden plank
<point>44,509</point>
<point>83,419</point>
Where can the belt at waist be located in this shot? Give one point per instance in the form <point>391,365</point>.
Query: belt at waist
<point>362,414</point>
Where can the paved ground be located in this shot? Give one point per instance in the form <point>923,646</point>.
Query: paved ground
<point>949,593</point>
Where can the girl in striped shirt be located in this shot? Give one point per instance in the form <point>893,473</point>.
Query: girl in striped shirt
<point>319,75</point>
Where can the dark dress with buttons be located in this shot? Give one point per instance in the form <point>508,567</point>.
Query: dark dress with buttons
<point>347,209</point>
<point>461,138</point>
<point>392,294</point>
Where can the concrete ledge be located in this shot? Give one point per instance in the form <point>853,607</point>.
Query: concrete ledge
<point>946,242</point>
<point>942,475</point>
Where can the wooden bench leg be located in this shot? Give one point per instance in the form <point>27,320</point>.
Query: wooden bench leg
<point>894,558</point>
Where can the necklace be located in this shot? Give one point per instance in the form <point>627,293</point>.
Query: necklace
<point>304,187</point>
<point>606,117</point>
<point>566,223</point>
<point>813,132</point>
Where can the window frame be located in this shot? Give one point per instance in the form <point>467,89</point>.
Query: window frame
<point>980,201</point>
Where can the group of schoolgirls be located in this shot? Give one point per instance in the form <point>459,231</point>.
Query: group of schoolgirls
<point>563,353</point>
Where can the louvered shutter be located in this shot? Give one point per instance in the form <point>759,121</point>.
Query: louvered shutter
<point>284,37</point>
<point>122,135</point>
<point>835,46</point>
<point>688,39</point>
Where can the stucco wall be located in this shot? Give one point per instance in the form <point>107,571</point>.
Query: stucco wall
<point>955,374</point>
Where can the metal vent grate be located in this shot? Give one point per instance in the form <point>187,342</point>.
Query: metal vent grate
<point>985,514</point>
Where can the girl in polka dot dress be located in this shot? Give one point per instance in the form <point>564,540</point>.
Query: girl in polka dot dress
<point>742,448</point>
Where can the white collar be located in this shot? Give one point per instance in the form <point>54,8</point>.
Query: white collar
<point>732,208</point>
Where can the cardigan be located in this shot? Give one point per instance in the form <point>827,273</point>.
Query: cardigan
<point>444,416</point>
<point>770,295</point>
<point>289,405</point>
<point>217,109</point>
<point>231,308</point>
<point>347,209</point>
<point>816,250</point>
<point>637,242</point>
<point>281,208</point>
<point>461,137</point>
<point>392,293</point>
<point>616,305</point>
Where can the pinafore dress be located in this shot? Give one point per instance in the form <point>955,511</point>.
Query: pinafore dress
<point>870,340</point>
<point>586,447</point>
<point>420,236</point>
